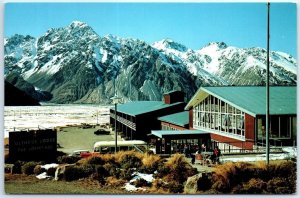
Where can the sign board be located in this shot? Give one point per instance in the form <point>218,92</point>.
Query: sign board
<point>33,145</point>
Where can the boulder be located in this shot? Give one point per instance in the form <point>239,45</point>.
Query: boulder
<point>199,182</point>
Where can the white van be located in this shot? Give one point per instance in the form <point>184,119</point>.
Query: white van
<point>125,145</point>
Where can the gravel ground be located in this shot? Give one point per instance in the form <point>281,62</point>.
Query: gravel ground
<point>76,138</point>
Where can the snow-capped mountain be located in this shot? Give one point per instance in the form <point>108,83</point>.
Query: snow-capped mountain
<point>75,64</point>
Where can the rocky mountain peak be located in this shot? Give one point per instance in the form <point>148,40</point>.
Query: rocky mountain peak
<point>79,24</point>
<point>75,64</point>
<point>169,44</point>
<point>220,45</point>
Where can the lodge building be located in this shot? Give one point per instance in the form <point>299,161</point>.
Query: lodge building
<point>231,117</point>
<point>235,116</point>
<point>136,119</point>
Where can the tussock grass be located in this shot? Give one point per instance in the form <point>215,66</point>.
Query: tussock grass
<point>242,177</point>
<point>113,181</point>
<point>150,161</point>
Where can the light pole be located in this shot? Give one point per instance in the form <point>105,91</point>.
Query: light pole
<point>115,101</point>
<point>268,87</point>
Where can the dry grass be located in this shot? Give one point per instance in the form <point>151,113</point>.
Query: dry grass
<point>254,178</point>
<point>150,161</point>
<point>115,182</point>
<point>119,156</point>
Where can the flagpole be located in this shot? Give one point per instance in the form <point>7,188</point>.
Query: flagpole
<point>268,88</point>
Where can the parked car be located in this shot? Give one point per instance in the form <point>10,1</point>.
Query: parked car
<point>78,152</point>
<point>102,132</point>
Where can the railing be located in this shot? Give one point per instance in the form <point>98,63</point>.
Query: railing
<point>258,147</point>
<point>124,121</point>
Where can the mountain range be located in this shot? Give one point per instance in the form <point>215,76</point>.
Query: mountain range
<point>74,64</point>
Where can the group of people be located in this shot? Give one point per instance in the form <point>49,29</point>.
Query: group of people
<point>214,157</point>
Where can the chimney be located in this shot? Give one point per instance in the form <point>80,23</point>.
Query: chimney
<point>173,97</point>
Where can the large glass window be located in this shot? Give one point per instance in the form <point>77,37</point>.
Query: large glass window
<point>217,115</point>
<point>280,127</point>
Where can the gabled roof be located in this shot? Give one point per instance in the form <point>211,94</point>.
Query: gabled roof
<point>251,99</point>
<point>141,107</point>
<point>180,119</point>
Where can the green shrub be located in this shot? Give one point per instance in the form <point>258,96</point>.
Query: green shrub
<point>65,159</point>
<point>28,168</point>
<point>51,171</point>
<point>17,167</point>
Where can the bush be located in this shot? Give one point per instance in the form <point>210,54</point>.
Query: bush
<point>65,159</point>
<point>279,186</point>
<point>115,182</point>
<point>94,160</point>
<point>150,163</point>
<point>73,173</point>
<point>204,182</point>
<point>119,156</point>
<point>279,177</point>
<point>179,169</point>
<point>28,168</point>
<point>162,171</point>
<point>112,169</point>
<point>141,182</point>
<point>38,170</point>
<point>174,187</point>
<point>125,174</point>
<point>130,161</point>
<point>17,167</point>
<point>101,173</point>
<point>254,186</point>
<point>51,171</point>
<point>88,170</point>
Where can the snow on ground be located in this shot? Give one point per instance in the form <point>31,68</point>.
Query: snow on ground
<point>50,116</point>
<point>47,166</point>
<point>290,153</point>
<point>43,176</point>
<point>130,187</point>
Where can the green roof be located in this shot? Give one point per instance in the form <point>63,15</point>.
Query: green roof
<point>180,119</point>
<point>252,99</point>
<point>141,107</point>
<point>163,133</point>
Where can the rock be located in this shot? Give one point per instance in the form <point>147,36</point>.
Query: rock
<point>199,182</point>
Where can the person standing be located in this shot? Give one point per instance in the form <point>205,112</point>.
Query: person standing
<point>203,147</point>
<point>217,153</point>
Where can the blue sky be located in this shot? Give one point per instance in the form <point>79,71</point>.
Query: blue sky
<point>192,24</point>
